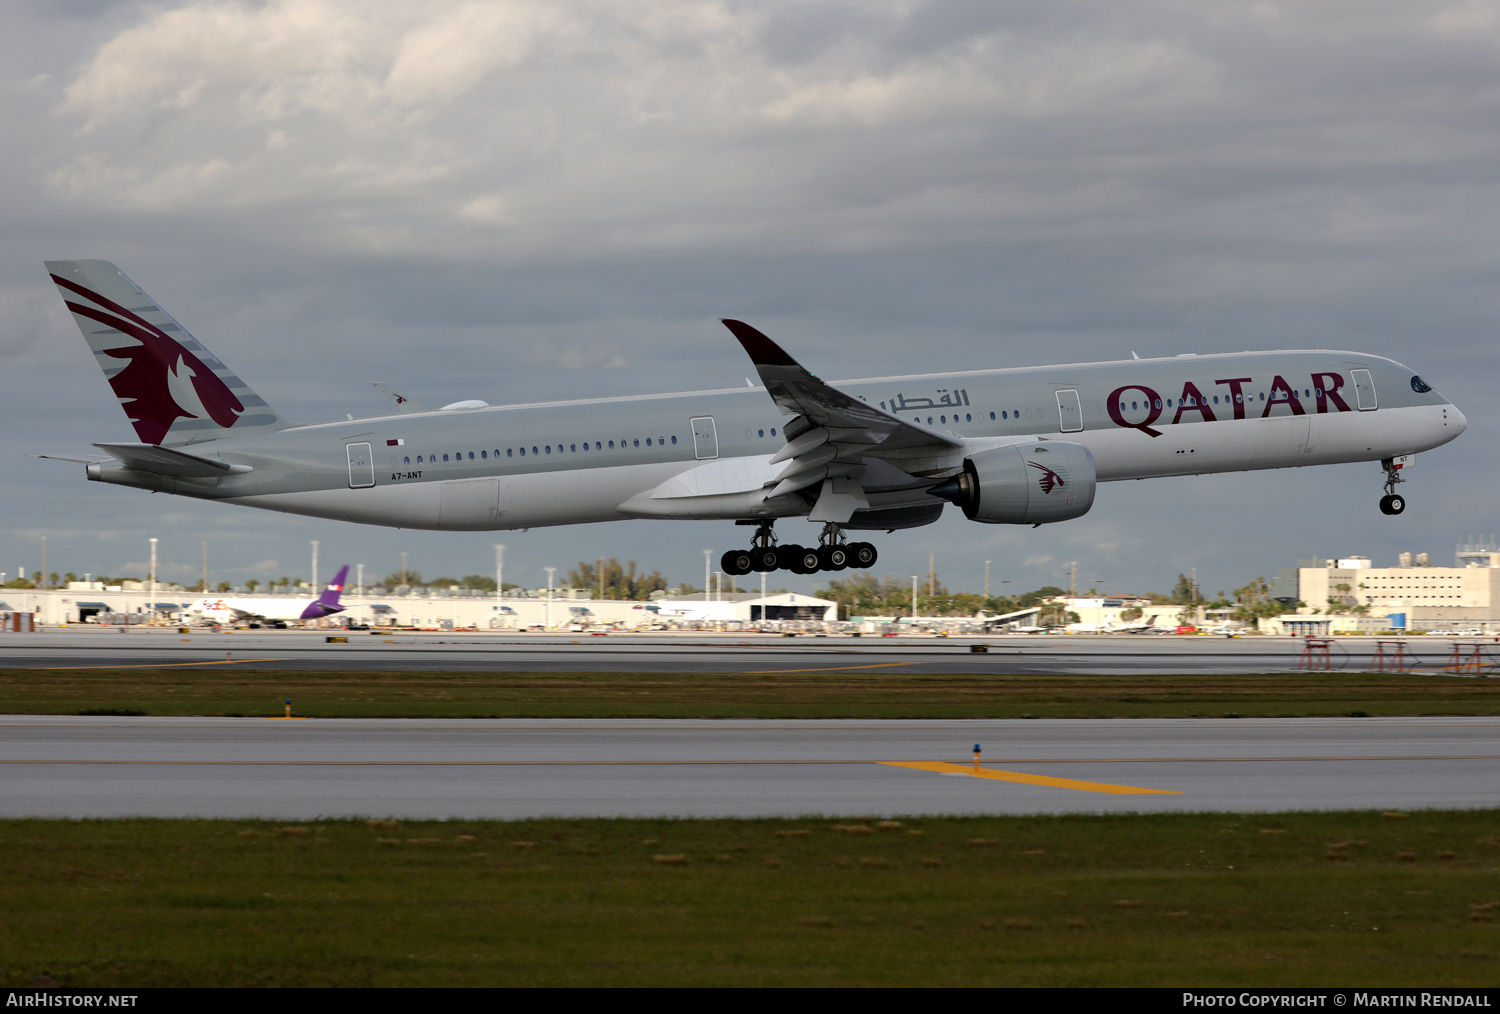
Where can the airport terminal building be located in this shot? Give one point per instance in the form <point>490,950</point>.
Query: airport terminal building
<point>1413,595</point>
<point>117,604</point>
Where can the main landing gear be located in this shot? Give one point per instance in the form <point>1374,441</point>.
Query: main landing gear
<point>831,553</point>
<point>1392,502</point>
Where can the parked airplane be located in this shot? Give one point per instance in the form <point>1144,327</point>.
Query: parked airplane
<point>1008,446</point>
<point>273,610</point>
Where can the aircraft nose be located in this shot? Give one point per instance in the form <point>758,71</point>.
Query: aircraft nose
<point>1456,420</point>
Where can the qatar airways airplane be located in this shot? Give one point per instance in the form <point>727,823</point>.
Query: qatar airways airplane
<point>1023,446</point>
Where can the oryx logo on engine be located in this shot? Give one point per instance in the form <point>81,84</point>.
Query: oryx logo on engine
<point>1049,478</point>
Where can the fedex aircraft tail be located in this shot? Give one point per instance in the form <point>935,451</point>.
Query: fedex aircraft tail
<point>328,602</point>
<point>173,389</point>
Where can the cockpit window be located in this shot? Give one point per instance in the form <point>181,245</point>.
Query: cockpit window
<point>1419,385</point>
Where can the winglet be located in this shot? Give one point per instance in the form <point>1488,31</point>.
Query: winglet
<point>762,350</point>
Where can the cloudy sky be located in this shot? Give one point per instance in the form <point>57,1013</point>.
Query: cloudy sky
<point>517,200</point>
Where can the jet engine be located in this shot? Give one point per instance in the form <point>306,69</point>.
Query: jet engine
<point>1024,484</point>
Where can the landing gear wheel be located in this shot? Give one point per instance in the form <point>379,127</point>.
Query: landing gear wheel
<point>862,555</point>
<point>833,557</point>
<point>736,562</point>
<point>786,557</point>
<point>763,561</point>
<point>805,561</point>
<point>1392,503</point>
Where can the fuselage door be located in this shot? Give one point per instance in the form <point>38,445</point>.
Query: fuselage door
<point>705,437</point>
<point>1364,389</point>
<point>1069,411</point>
<point>361,466</point>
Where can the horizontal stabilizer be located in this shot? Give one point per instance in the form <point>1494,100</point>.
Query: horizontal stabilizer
<point>82,459</point>
<point>169,461</point>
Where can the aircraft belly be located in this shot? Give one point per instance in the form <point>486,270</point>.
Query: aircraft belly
<point>415,505</point>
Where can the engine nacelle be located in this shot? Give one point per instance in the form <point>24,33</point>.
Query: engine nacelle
<point>1024,484</point>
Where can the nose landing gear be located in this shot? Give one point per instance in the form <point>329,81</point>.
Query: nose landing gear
<point>1392,502</point>
<point>831,553</point>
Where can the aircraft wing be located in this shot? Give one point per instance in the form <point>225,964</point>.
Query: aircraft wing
<point>833,430</point>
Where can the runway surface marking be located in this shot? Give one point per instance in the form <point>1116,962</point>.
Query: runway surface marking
<point>944,768</point>
<point>753,763</point>
<point>158,665</point>
<point>832,668</point>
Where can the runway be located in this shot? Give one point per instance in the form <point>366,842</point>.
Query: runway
<point>195,767</point>
<point>82,647</point>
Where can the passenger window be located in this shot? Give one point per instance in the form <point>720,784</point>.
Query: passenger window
<point>406,461</point>
<point>571,447</point>
<point>759,433</point>
<point>611,445</point>
<point>773,431</point>
<point>943,419</point>
<point>992,415</point>
<point>648,441</point>
<point>445,457</point>
<point>533,449</point>
<point>509,455</point>
<point>637,441</point>
<point>549,448</point>
<point>471,455</point>
<point>968,417</point>
<point>598,446</point>
<point>674,440</point>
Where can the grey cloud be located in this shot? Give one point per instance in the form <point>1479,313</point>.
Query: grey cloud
<point>884,189</point>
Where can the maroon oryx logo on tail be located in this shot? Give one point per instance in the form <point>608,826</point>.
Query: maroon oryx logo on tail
<point>143,386</point>
<point>1049,479</point>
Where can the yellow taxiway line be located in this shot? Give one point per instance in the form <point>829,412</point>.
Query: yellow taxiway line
<point>945,768</point>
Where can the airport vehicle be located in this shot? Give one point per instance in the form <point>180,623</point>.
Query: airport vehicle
<point>274,611</point>
<point>1008,446</point>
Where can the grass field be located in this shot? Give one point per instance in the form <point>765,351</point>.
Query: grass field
<point>234,691</point>
<point>1364,899</point>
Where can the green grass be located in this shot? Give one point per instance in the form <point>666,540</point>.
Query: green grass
<point>1174,899</point>
<point>225,690</point>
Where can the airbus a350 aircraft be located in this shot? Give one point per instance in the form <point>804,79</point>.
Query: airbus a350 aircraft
<point>274,610</point>
<point>1008,446</point>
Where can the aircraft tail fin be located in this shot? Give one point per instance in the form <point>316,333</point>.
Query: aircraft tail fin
<point>172,388</point>
<point>328,602</point>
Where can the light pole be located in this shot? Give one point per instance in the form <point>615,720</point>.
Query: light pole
<point>359,588</point>
<point>499,575</point>
<point>914,600</point>
<point>315,564</point>
<point>151,595</point>
<point>550,571</point>
<point>706,554</point>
